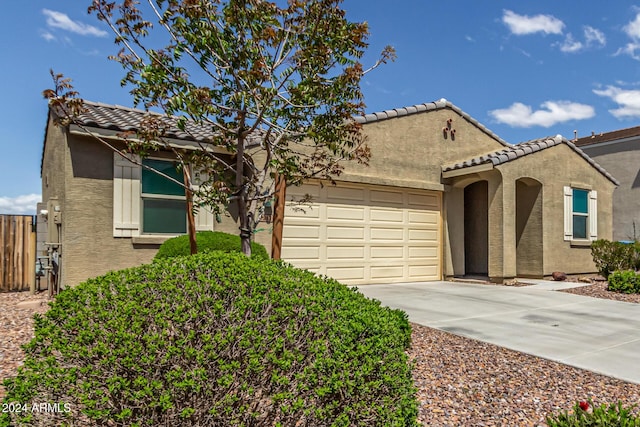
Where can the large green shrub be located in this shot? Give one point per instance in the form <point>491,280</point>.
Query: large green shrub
<point>585,414</point>
<point>216,339</point>
<point>208,241</point>
<point>611,256</point>
<point>626,282</point>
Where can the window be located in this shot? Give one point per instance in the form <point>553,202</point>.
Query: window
<point>580,215</point>
<point>163,201</point>
<point>145,203</point>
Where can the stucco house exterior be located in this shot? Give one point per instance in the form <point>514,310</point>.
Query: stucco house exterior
<point>443,196</point>
<point>619,152</point>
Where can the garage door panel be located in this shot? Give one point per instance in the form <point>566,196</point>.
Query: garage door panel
<point>424,217</point>
<point>301,232</point>
<point>300,252</point>
<point>298,192</point>
<point>358,234</point>
<point>425,201</point>
<point>345,213</point>
<point>302,211</point>
<point>423,272</point>
<point>393,234</point>
<point>387,215</point>
<point>345,252</point>
<point>341,194</point>
<point>346,273</point>
<point>345,232</point>
<point>387,271</point>
<point>423,235</point>
<point>423,252</point>
<point>384,252</point>
<point>386,197</point>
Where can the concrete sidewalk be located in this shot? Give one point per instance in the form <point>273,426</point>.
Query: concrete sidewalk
<point>599,335</point>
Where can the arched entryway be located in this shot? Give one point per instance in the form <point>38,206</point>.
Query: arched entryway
<point>476,229</point>
<point>529,247</point>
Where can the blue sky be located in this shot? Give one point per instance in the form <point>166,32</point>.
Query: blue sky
<point>525,69</point>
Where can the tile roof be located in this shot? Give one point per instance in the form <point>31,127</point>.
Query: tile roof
<point>119,118</point>
<point>524,149</point>
<point>421,108</point>
<point>608,136</point>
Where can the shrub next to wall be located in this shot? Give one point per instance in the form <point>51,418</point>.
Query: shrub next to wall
<point>216,339</point>
<point>626,282</point>
<point>612,256</point>
<point>208,241</point>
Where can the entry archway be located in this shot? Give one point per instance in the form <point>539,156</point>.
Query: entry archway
<point>529,246</point>
<point>476,228</point>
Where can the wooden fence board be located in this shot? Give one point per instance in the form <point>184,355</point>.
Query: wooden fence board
<point>18,253</point>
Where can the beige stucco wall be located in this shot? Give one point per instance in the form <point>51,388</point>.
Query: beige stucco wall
<point>80,174</point>
<point>622,160</point>
<point>553,168</point>
<point>409,151</point>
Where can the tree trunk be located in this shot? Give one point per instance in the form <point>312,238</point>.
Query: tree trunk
<point>191,221</point>
<point>243,214</point>
<point>278,216</point>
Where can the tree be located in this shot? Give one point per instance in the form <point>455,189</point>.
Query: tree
<point>277,84</point>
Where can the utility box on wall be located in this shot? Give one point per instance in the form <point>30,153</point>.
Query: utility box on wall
<point>54,219</point>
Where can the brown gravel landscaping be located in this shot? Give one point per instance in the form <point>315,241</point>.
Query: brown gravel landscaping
<point>460,381</point>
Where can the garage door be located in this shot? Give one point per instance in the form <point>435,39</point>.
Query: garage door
<point>361,234</point>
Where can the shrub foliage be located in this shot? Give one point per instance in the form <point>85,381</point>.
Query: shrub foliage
<point>208,241</point>
<point>626,282</point>
<point>585,414</point>
<point>216,339</point>
<point>612,256</point>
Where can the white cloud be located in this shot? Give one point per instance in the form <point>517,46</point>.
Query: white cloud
<point>594,37</point>
<point>47,36</point>
<point>523,24</point>
<point>627,99</point>
<point>569,45</point>
<point>632,29</point>
<point>62,21</point>
<point>551,113</point>
<point>21,205</point>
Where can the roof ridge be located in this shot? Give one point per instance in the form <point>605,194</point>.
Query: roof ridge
<point>522,149</point>
<point>421,108</point>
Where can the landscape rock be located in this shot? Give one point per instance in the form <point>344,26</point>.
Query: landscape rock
<point>559,276</point>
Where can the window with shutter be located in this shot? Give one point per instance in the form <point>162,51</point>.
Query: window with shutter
<point>126,196</point>
<point>580,214</point>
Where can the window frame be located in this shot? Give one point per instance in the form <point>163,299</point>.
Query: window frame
<point>591,218</point>
<point>158,196</point>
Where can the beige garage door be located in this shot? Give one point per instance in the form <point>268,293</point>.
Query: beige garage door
<point>361,234</point>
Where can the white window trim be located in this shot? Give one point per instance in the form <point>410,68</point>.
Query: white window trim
<point>592,214</point>
<point>127,201</point>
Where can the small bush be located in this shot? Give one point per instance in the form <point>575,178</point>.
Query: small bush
<point>585,414</point>
<point>208,241</point>
<point>626,282</point>
<point>216,339</point>
<point>611,256</point>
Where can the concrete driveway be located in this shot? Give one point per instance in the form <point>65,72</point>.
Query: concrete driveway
<point>599,335</point>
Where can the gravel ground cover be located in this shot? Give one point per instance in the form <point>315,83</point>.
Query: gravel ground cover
<point>460,381</point>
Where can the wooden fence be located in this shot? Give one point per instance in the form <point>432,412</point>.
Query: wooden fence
<point>18,253</point>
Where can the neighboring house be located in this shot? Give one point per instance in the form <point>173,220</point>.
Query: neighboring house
<point>619,152</point>
<point>443,196</point>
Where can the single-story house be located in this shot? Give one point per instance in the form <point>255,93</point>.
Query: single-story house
<point>443,196</point>
<point>619,152</point>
